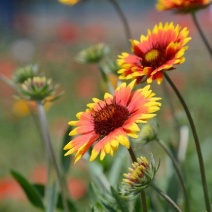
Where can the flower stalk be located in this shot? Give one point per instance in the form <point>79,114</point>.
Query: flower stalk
<point>142,193</point>
<point>166,197</point>
<point>51,160</point>
<point>176,124</point>
<point>196,140</point>
<point>8,82</point>
<point>123,19</point>
<point>105,78</point>
<point>204,39</point>
<point>177,169</point>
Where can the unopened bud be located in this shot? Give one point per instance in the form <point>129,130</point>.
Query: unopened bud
<point>93,54</point>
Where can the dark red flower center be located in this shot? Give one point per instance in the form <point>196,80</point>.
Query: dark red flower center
<point>154,58</point>
<point>109,118</point>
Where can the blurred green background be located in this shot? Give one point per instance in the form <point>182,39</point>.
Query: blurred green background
<point>51,34</point>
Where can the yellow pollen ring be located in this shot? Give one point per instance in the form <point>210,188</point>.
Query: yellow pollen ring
<point>151,55</point>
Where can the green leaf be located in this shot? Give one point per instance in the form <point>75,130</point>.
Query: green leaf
<point>173,188</point>
<point>109,207</point>
<point>137,206</point>
<point>40,188</point>
<point>96,200</point>
<point>120,201</point>
<point>65,161</point>
<point>31,192</point>
<point>51,195</point>
<point>70,203</point>
<point>98,207</point>
<point>93,194</point>
<point>116,170</point>
<point>98,176</point>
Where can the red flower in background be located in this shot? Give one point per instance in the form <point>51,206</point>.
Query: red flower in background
<point>67,32</point>
<point>77,187</point>
<point>87,87</point>
<point>182,6</point>
<point>7,67</point>
<point>10,189</point>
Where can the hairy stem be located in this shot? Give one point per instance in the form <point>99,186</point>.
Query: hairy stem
<point>123,18</point>
<point>8,82</point>
<point>49,150</point>
<point>166,197</point>
<point>143,195</point>
<point>177,169</point>
<point>204,39</point>
<point>172,109</point>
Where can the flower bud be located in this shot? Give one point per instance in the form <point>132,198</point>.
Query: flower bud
<point>140,175</point>
<point>93,54</point>
<point>111,67</point>
<point>148,132</point>
<point>25,73</point>
<point>38,88</point>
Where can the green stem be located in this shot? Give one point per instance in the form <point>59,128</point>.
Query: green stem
<point>104,76</point>
<point>49,150</point>
<point>143,195</point>
<point>132,154</point>
<point>172,109</point>
<point>194,18</point>
<point>105,79</point>
<point>196,140</point>
<point>166,197</point>
<point>177,169</point>
<point>8,82</point>
<point>122,17</point>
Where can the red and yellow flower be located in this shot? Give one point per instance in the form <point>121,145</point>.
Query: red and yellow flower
<point>182,6</point>
<point>108,123</point>
<point>156,52</point>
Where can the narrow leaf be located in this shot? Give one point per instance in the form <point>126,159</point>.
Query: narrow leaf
<point>120,201</point>
<point>65,161</point>
<point>71,205</point>
<point>109,207</point>
<point>137,206</point>
<point>117,167</point>
<point>51,195</point>
<point>30,191</point>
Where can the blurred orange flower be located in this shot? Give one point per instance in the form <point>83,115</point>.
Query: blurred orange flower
<point>10,189</point>
<point>87,87</point>
<point>22,108</point>
<point>69,2</point>
<point>76,187</point>
<point>113,79</point>
<point>182,6</point>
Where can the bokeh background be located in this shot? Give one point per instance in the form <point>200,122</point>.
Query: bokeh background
<point>50,34</point>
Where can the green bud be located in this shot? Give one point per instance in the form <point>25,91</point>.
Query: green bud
<point>93,54</point>
<point>38,88</point>
<point>148,132</point>
<point>24,73</point>
<point>111,66</point>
